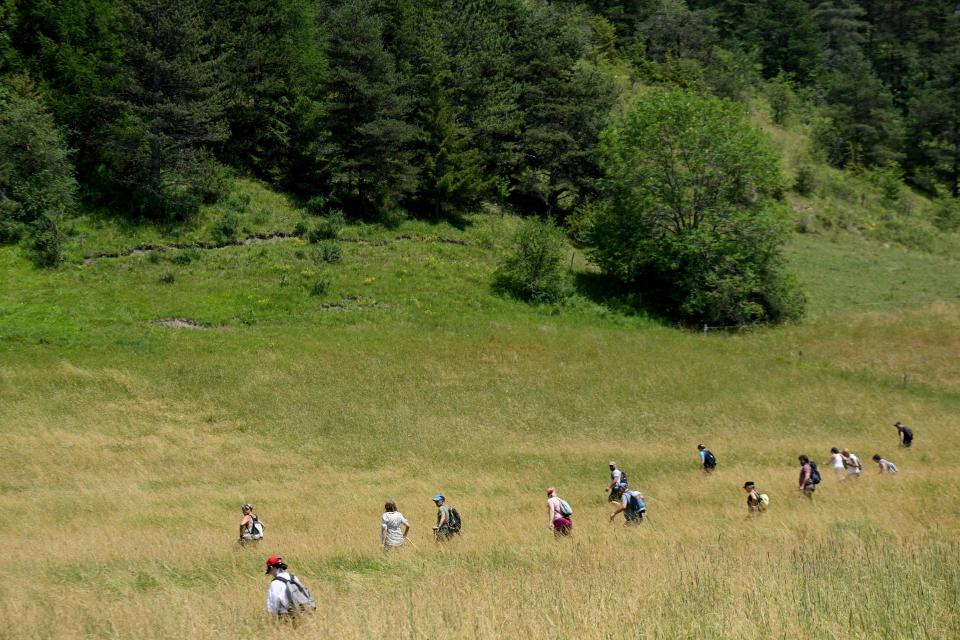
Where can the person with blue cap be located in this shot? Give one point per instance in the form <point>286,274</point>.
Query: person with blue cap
<point>448,520</point>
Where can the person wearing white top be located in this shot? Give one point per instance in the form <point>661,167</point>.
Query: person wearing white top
<point>278,598</point>
<point>836,462</point>
<point>393,527</point>
<point>852,463</point>
<point>616,477</point>
<point>885,465</point>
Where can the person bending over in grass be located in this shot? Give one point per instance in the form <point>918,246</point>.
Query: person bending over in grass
<point>753,498</point>
<point>905,434</point>
<point>251,529</point>
<point>618,482</point>
<point>707,460</point>
<point>852,462</point>
<point>393,527</point>
<point>885,465</point>
<point>633,505</point>
<point>559,514</point>
<point>809,476</point>
<point>837,463</point>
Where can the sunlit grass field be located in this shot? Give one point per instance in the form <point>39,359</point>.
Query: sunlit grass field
<point>129,446</point>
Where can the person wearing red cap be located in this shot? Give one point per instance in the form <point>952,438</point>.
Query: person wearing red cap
<point>278,597</point>
<point>286,595</point>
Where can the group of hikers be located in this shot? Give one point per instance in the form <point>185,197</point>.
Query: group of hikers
<point>288,597</point>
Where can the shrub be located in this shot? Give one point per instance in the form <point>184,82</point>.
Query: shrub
<point>320,286</point>
<point>237,202</point>
<point>693,218</point>
<point>534,269</point>
<point>889,180</point>
<point>947,215</point>
<point>316,205</point>
<point>46,243</point>
<point>328,251</point>
<point>186,256</point>
<point>10,229</point>
<point>327,228</point>
<point>37,186</point>
<point>168,277</point>
<point>805,182</point>
<point>226,227</point>
<point>262,216</point>
<point>301,229</point>
<point>210,180</point>
<point>153,257</point>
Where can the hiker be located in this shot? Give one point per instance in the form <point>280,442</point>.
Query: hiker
<point>905,433</point>
<point>707,460</point>
<point>286,596</point>
<point>251,529</point>
<point>837,463</point>
<point>753,498</point>
<point>885,465</point>
<point>618,482</point>
<point>809,476</point>
<point>852,464</point>
<point>391,523</point>
<point>448,520</point>
<point>633,505</point>
<point>559,513</point>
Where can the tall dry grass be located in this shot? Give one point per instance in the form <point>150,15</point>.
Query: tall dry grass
<point>124,478</point>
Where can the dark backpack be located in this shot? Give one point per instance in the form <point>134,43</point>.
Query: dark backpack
<point>907,435</point>
<point>709,460</point>
<point>299,597</point>
<point>635,505</point>
<point>453,520</point>
<point>814,473</point>
<point>623,477</point>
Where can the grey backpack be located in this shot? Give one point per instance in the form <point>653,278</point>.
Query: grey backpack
<point>301,601</point>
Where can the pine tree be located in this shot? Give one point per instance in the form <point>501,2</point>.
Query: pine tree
<point>865,127</point>
<point>172,105</point>
<point>788,39</point>
<point>842,25</point>
<point>564,102</point>
<point>368,149</point>
<point>935,115</point>
<point>272,62</point>
<point>452,175</point>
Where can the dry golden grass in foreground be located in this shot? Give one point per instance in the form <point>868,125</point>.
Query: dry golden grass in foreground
<point>122,494</point>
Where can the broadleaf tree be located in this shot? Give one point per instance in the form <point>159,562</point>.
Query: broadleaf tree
<point>693,218</point>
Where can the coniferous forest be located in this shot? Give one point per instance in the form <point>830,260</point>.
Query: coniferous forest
<point>389,108</point>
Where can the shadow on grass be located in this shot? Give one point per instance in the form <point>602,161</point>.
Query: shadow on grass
<point>617,297</point>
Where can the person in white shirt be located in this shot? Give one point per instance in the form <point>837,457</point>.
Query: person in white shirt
<point>885,465</point>
<point>278,598</point>
<point>615,479</point>
<point>393,527</point>
<point>837,463</point>
<point>852,463</point>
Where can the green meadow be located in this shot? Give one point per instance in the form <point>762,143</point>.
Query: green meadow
<point>144,398</point>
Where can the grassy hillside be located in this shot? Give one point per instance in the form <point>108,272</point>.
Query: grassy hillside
<point>130,444</point>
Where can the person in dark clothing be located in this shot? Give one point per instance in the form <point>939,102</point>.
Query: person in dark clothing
<point>905,433</point>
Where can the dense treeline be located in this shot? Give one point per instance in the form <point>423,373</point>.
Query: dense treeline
<point>384,108</point>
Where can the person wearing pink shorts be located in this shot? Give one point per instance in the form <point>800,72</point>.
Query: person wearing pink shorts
<point>558,520</point>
